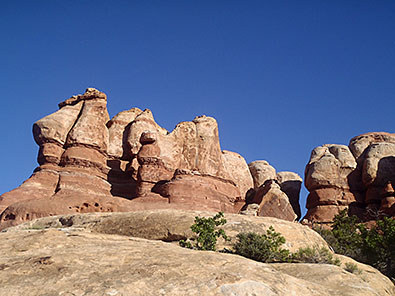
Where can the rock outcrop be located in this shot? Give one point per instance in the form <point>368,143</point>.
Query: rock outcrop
<point>261,171</point>
<point>290,184</point>
<point>273,195</point>
<point>172,225</point>
<point>357,178</point>
<point>78,258</point>
<point>91,163</point>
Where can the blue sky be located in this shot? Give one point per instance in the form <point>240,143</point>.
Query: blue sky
<point>280,77</point>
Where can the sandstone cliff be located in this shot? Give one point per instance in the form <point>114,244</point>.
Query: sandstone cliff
<point>91,163</point>
<point>358,177</point>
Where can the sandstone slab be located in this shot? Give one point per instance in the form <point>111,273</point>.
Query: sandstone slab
<point>173,225</point>
<point>67,261</point>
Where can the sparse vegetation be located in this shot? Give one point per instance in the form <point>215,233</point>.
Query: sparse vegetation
<point>314,255</point>
<point>262,247</point>
<point>268,248</point>
<point>35,227</point>
<point>374,246</point>
<point>265,247</point>
<point>207,233</point>
<point>353,268</point>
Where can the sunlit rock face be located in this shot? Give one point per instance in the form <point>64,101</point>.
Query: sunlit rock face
<point>274,194</point>
<point>137,253</point>
<point>91,163</point>
<point>358,178</point>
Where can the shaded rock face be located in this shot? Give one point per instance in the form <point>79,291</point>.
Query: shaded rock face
<point>290,184</point>
<point>273,202</point>
<point>91,163</point>
<point>354,178</point>
<point>274,194</point>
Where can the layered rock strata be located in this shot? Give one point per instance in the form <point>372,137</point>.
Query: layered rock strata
<point>357,177</point>
<point>91,163</point>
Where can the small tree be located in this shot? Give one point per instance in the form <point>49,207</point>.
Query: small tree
<point>374,246</point>
<point>378,246</point>
<point>262,247</point>
<point>346,230</point>
<point>207,233</point>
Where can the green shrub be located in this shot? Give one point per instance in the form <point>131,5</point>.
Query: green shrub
<point>207,233</point>
<point>314,255</point>
<point>344,236</point>
<point>378,246</point>
<point>353,268</point>
<point>262,247</point>
<point>374,246</point>
<point>347,232</point>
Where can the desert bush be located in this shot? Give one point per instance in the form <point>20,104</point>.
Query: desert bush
<point>344,236</point>
<point>352,267</point>
<point>207,233</point>
<point>268,248</point>
<point>374,246</point>
<point>261,247</point>
<point>314,255</point>
<point>378,246</point>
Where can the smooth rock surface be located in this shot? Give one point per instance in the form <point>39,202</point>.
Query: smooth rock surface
<point>238,171</point>
<point>173,225</point>
<point>75,261</point>
<point>261,171</point>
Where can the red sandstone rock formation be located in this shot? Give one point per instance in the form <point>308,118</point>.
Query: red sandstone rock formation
<point>273,195</point>
<point>89,163</point>
<point>354,177</point>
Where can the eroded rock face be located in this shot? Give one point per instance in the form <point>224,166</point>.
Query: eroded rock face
<point>89,163</point>
<point>340,177</point>
<point>238,171</point>
<point>359,144</point>
<point>274,195</point>
<point>209,192</point>
<point>261,171</point>
<point>327,177</point>
<point>118,130</point>
<point>273,202</point>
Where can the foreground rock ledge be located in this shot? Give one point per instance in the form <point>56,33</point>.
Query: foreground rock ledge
<point>76,261</point>
<point>172,225</point>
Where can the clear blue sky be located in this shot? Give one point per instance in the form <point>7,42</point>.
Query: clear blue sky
<point>280,77</point>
